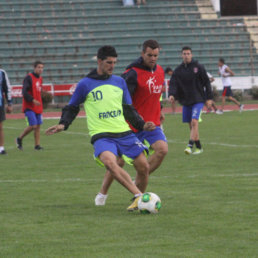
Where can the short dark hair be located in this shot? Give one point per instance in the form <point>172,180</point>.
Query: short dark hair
<point>186,48</point>
<point>105,52</point>
<point>36,63</point>
<point>222,60</point>
<point>151,43</point>
<point>168,69</point>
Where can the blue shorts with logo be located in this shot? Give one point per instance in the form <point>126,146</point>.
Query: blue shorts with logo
<point>192,112</point>
<point>33,118</point>
<point>150,137</point>
<point>128,147</point>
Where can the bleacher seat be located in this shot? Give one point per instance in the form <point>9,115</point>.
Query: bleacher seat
<point>66,34</point>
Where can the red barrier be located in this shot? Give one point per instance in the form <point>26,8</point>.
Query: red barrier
<point>55,90</point>
<point>61,89</point>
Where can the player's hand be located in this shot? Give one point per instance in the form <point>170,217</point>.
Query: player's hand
<point>171,99</point>
<point>149,126</point>
<point>54,129</point>
<point>36,102</point>
<point>209,103</point>
<point>9,109</point>
<point>162,117</point>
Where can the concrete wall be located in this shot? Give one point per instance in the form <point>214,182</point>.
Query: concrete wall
<point>240,83</point>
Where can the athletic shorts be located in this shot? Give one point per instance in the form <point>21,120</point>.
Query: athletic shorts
<point>150,137</point>
<point>227,92</point>
<point>192,112</point>
<point>2,113</point>
<point>32,118</point>
<point>128,147</point>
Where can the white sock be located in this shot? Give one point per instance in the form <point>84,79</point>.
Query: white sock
<point>1,148</point>
<point>137,195</point>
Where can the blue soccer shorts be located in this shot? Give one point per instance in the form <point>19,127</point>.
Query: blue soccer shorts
<point>32,118</point>
<point>192,112</point>
<point>128,147</point>
<point>150,137</point>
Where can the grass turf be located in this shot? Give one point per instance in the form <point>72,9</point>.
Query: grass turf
<point>209,202</point>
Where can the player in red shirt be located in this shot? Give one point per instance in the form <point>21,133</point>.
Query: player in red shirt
<point>32,105</point>
<point>145,80</point>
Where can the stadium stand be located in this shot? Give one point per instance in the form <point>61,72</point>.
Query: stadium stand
<point>66,34</point>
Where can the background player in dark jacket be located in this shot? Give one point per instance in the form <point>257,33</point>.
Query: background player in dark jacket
<point>32,105</point>
<point>145,80</point>
<point>191,86</point>
<point>5,91</point>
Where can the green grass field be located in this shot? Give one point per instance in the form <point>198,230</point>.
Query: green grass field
<point>209,202</point>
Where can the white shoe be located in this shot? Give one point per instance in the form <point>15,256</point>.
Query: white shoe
<point>241,108</point>
<point>219,112</point>
<point>100,199</point>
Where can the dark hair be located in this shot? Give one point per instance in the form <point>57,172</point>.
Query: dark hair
<point>186,48</point>
<point>36,63</point>
<point>168,69</point>
<point>151,43</point>
<point>105,52</point>
<point>222,60</point>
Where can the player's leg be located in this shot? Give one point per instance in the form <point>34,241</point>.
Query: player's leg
<point>2,118</point>
<point>223,98</point>
<point>108,179</point>
<point>194,134</point>
<point>234,100</point>
<point>187,117</point>
<point>160,149</point>
<point>142,168</point>
<point>37,132</point>
<point>2,150</point>
<point>31,122</point>
<point>110,162</point>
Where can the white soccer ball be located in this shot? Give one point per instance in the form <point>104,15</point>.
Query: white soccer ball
<point>149,203</point>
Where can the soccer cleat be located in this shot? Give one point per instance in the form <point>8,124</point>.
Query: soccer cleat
<point>188,150</point>
<point>3,152</point>
<point>197,151</point>
<point>219,112</point>
<point>134,205</point>
<point>38,147</point>
<point>241,107</point>
<point>100,199</point>
<point>19,143</point>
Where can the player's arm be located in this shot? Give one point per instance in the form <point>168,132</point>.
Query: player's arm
<point>207,85</point>
<point>131,80</point>
<point>172,92</point>
<point>228,70</point>
<point>7,90</point>
<point>70,111</point>
<point>131,114</point>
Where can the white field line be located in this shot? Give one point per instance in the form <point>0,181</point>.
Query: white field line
<point>169,141</point>
<point>69,180</point>
<point>219,144</point>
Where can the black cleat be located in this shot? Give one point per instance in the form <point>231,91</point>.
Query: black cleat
<point>19,143</point>
<point>38,147</point>
<point>3,152</point>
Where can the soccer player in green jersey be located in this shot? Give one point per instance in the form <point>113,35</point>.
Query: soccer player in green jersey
<point>108,105</point>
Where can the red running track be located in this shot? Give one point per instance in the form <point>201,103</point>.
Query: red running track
<point>166,110</point>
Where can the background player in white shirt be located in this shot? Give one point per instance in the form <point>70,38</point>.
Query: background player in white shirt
<point>225,73</point>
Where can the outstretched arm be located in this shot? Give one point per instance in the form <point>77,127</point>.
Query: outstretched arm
<point>70,111</point>
<point>133,117</point>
